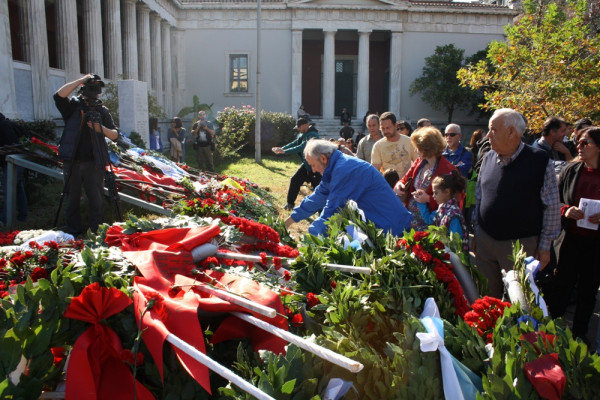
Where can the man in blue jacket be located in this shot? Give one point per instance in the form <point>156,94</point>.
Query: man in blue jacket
<point>304,173</point>
<point>348,178</point>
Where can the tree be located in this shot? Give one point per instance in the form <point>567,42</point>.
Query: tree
<point>197,106</point>
<point>438,85</point>
<point>110,98</point>
<point>549,64</point>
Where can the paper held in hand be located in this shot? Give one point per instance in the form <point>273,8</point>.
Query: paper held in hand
<point>589,207</point>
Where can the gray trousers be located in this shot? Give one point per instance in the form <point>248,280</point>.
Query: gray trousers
<point>204,156</point>
<point>83,174</point>
<point>493,256</point>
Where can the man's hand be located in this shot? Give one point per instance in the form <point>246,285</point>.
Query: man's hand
<point>288,222</point>
<point>561,148</point>
<point>543,256</point>
<point>277,150</point>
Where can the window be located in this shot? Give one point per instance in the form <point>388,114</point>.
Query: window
<point>238,75</point>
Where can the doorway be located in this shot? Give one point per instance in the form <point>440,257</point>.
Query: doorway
<point>344,86</point>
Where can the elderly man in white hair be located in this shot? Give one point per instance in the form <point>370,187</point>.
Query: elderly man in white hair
<point>348,178</point>
<point>517,199</point>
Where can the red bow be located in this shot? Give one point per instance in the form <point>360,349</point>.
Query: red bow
<point>95,368</point>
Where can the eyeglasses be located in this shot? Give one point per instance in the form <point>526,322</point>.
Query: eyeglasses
<point>451,134</point>
<point>584,143</point>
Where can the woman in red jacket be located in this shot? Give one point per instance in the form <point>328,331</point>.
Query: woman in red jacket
<point>430,144</point>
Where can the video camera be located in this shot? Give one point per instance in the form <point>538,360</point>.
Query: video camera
<point>92,87</point>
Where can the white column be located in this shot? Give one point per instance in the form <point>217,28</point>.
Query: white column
<point>329,74</point>
<point>8,103</point>
<point>395,72</point>
<point>296,70</point>
<point>37,48</point>
<point>67,42</point>
<point>144,53</point>
<point>362,98</point>
<point>156,56</point>
<point>179,71</point>
<point>167,59</point>
<point>93,57</point>
<point>130,50</point>
<point>113,52</point>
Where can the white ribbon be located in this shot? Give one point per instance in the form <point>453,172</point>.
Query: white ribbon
<point>531,267</point>
<point>453,373</point>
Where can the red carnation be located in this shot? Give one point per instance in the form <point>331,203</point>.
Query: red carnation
<point>420,235</point>
<point>438,245</point>
<point>297,320</point>
<point>59,355</point>
<point>312,300</point>
<point>38,273</point>
<point>287,276</point>
<point>333,284</point>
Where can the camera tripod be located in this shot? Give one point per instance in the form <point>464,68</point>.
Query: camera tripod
<point>99,143</point>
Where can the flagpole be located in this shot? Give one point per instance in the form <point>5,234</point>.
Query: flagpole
<point>257,139</point>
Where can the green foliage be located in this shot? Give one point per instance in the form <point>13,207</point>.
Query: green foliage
<point>110,97</point>
<point>439,86</point>
<point>237,126</point>
<point>137,140</point>
<point>550,55</point>
<point>197,106</point>
<point>43,129</point>
<point>503,371</point>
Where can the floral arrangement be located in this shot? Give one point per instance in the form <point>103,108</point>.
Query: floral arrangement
<point>371,318</point>
<point>485,314</point>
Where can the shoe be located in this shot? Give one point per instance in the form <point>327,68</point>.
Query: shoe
<point>288,207</point>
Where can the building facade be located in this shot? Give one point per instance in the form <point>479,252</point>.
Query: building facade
<point>325,54</point>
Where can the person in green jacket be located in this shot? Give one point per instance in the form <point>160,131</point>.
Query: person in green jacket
<point>304,172</point>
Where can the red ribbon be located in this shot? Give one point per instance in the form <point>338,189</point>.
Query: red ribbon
<point>163,257</point>
<point>178,316</point>
<point>35,140</point>
<point>547,376</point>
<point>95,368</point>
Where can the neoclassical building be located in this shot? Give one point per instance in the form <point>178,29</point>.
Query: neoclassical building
<point>325,54</point>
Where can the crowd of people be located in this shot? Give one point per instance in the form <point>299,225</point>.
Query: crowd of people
<point>492,193</point>
<point>498,190</point>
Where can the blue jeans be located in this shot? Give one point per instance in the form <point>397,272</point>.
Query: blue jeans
<point>21,195</point>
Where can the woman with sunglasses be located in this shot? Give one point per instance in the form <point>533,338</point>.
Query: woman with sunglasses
<point>579,255</point>
<point>404,128</point>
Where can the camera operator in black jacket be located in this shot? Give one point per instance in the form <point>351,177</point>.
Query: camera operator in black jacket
<point>84,161</point>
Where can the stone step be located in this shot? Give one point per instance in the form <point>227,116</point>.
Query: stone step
<point>330,128</point>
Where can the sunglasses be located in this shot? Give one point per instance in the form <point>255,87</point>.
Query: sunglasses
<point>401,128</point>
<point>584,143</point>
<point>451,134</point>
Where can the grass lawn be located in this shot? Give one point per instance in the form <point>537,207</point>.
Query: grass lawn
<point>272,174</point>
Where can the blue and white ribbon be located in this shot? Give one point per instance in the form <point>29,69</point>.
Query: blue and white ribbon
<point>459,382</point>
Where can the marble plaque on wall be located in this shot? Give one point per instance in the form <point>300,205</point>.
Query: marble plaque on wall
<point>133,108</point>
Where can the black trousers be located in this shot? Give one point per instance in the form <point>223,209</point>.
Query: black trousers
<point>578,267</point>
<point>302,175</point>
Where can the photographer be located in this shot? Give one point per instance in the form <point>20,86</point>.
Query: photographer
<point>203,135</point>
<point>83,163</point>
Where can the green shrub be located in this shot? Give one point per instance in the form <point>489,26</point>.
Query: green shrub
<point>236,130</point>
<point>43,129</point>
<point>136,139</point>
